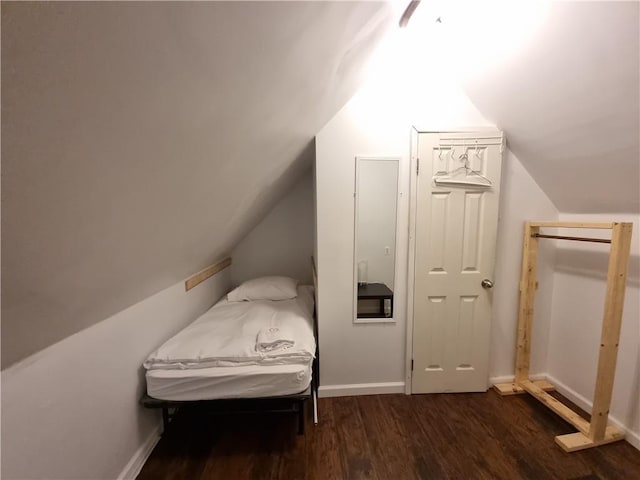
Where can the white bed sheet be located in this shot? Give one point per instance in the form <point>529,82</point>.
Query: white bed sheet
<point>249,381</point>
<point>225,336</point>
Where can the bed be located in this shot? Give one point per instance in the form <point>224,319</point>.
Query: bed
<point>230,359</point>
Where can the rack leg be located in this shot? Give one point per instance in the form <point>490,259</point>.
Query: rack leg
<point>528,283</point>
<point>611,325</point>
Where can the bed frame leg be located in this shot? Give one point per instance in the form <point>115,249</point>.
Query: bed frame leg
<point>165,419</point>
<point>315,407</point>
<point>301,418</point>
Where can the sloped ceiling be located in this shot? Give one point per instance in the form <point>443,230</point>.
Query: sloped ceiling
<point>569,104</point>
<point>141,141</point>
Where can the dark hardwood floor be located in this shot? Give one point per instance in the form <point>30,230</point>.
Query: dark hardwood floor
<point>444,436</point>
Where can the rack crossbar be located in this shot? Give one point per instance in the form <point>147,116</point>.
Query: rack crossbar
<point>577,239</point>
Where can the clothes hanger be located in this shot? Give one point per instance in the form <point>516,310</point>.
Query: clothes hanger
<point>477,178</point>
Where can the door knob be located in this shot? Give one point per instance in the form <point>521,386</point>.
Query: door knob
<point>486,283</point>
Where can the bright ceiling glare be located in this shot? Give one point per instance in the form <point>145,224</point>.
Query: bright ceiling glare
<point>472,36</point>
<point>443,45</point>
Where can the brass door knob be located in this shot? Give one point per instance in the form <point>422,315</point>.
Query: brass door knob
<point>486,283</point>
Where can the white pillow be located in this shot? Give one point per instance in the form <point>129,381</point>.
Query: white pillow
<point>265,288</point>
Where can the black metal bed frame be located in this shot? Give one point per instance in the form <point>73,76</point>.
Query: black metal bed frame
<point>282,404</point>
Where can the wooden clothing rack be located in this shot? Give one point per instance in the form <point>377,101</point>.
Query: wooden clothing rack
<point>596,432</point>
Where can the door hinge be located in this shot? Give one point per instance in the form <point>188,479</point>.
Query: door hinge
<point>412,364</point>
<point>417,166</point>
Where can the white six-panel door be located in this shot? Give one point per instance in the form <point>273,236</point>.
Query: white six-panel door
<point>456,225</point>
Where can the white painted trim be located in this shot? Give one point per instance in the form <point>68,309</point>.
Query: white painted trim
<point>134,466</point>
<point>630,436</point>
<point>349,390</point>
<point>437,129</point>
<point>413,179</point>
<point>374,320</point>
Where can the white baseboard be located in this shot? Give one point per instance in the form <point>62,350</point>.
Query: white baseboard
<point>630,436</point>
<point>134,466</point>
<point>348,390</point>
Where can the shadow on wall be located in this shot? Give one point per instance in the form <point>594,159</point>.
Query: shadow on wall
<point>143,413</point>
<point>284,180</point>
<point>594,264</point>
<point>280,183</point>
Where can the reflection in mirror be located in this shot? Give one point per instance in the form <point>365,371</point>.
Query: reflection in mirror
<point>375,243</point>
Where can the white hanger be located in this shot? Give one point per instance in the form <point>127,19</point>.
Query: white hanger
<point>471,177</point>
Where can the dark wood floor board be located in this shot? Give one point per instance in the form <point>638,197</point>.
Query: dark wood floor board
<point>448,436</point>
<point>388,442</point>
<point>468,438</point>
<point>184,450</point>
<point>612,462</point>
<point>355,454</point>
<point>520,437</point>
<point>253,447</point>
<point>388,437</point>
<point>323,451</point>
<point>491,456</point>
<point>528,429</point>
<point>426,459</point>
<point>606,462</point>
<point>293,462</point>
<point>438,433</point>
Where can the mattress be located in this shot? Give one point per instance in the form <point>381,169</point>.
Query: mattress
<point>225,335</point>
<point>249,381</point>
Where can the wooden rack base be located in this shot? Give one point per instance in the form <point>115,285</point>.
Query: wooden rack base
<point>597,431</point>
<point>513,388</point>
<point>571,442</point>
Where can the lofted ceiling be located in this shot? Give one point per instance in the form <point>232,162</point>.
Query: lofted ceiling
<point>141,141</point>
<point>569,104</point>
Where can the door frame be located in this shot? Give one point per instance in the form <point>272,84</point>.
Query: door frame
<point>413,202</point>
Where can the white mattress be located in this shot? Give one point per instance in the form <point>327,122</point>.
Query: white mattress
<point>249,381</point>
<point>225,335</point>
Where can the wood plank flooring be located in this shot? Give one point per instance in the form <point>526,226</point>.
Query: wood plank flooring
<point>444,436</point>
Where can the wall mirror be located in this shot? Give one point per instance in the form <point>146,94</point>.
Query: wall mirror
<point>376,200</point>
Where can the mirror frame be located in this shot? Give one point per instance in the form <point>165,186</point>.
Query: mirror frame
<point>391,319</point>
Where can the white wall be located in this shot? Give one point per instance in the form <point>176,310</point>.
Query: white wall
<point>71,410</point>
<point>521,200</point>
<point>282,244</point>
<point>576,322</point>
<point>563,129</point>
<point>372,356</point>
